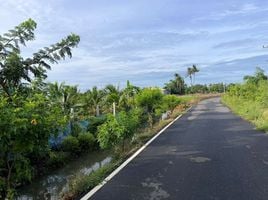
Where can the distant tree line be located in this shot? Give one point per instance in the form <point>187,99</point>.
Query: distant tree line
<point>178,86</point>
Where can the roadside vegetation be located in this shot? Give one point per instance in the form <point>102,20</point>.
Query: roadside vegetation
<point>250,99</point>
<point>45,125</point>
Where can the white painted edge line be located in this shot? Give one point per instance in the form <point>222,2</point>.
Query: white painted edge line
<point>118,169</point>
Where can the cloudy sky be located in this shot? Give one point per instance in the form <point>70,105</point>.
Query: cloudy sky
<point>147,41</point>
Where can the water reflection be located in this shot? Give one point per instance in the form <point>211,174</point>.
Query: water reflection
<point>50,186</point>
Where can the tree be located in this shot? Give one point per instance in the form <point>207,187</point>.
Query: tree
<point>170,102</point>
<point>194,71</point>
<point>63,94</point>
<point>191,71</point>
<point>15,69</point>
<point>258,76</point>
<point>25,129</point>
<point>28,117</point>
<point>112,94</point>
<point>190,74</point>
<point>94,97</point>
<point>117,129</point>
<point>127,98</point>
<point>149,99</point>
<point>176,86</point>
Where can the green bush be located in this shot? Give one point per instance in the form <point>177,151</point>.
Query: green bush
<point>76,129</point>
<point>57,159</point>
<point>250,99</point>
<point>94,122</point>
<point>170,102</point>
<point>70,144</point>
<point>87,141</point>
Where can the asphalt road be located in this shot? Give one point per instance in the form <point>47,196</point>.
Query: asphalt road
<point>208,154</point>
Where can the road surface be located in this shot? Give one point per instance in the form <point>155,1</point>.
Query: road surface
<point>208,154</point>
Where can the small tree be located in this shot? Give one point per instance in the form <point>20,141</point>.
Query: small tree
<point>27,117</point>
<point>149,99</point>
<point>116,130</point>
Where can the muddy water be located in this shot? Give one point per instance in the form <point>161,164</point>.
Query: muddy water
<point>51,185</point>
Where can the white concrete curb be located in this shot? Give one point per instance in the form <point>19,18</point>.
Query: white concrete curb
<point>96,188</point>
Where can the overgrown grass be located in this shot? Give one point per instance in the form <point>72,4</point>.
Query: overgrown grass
<point>250,99</point>
<point>252,111</point>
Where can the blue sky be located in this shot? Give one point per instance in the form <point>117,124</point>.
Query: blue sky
<point>147,41</point>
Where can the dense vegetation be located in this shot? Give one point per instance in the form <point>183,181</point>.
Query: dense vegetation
<point>250,99</point>
<point>28,116</point>
<point>178,86</point>
<point>44,125</point>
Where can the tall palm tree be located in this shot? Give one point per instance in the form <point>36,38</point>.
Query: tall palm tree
<point>179,83</point>
<point>190,74</point>
<point>195,70</point>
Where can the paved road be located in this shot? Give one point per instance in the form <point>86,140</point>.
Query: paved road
<point>209,154</point>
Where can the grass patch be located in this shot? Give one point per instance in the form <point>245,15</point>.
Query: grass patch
<point>252,111</point>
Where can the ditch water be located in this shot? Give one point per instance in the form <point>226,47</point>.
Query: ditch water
<point>51,185</point>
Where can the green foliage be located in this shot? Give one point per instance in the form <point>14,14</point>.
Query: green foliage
<point>57,158</point>
<point>15,69</point>
<point>80,184</point>
<point>93,100</point>
<point>76,129</point>
<point>110,133</point>
<point>191,71</point>
<point>149,99</point>
<point>87,141</point>
<point>176,86</point>
<point>70,144</point>
<point>117,129</point>
<point>28,117</point>
<point>26,125</point>
<point>94,122</point>
<point>170,102</point>
<point>250,99</point>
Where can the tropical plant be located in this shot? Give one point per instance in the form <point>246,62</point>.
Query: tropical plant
<point>26,126</point>
<point>113,95</point>
<point>94,98</point>
<point>15,69</point>
<point>176,86</point>
<point>149,99</point>
<point>28,118</point>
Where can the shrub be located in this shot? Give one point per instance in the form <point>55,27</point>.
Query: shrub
<point>94,122</point>
<point>57,159</point>
<point>70,144</point>
<point>75,129</point>
<point>87,141</point>
<point>170,102</point>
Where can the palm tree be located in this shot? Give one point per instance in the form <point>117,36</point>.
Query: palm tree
<point>94,97</point>
<point>190,74</point>
<point>112,94</point>
<point>63,94</point>
<point>179,83</point>
<point>127,97</point>
<point>195,70</point>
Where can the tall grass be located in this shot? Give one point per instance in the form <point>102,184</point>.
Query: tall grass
<point>250,100</point>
